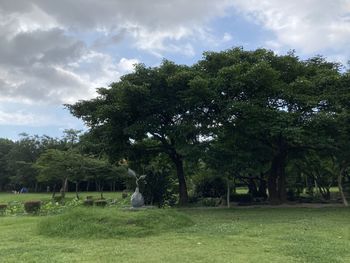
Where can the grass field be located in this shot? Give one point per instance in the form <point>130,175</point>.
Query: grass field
<point>177,235</point>
<point>7,197</point>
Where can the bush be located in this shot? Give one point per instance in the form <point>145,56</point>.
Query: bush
<point>159,188</point>
<point>88,202</point>
<point>57,199</point>
<point>32,207</point>
<point>3,208</point>
<point>101,202</point>
<point>241,198</point>
<point>124,194</point>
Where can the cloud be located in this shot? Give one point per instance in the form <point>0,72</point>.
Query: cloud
<point>48,55</point>
<point>311,26</point>
<point>57,52</point>
<point>20,118</point>
<point>149,22</point>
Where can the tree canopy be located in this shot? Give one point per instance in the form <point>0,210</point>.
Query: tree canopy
<point>255,109</point>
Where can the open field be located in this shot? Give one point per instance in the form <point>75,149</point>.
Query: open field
<point>207,235</point>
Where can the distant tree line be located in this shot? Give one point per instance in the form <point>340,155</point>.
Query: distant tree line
<point>43,163</point>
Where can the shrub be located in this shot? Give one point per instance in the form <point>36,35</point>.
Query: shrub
<point>3,208</point>
<point>101,202</point>
<point>88,202</point>
<point>57,199</point>
<point>32,207</point>
<point>159,188</point>
<point>124,194</point>
<point>241,198</point>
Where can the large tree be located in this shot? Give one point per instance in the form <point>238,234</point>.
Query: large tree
<point>272,101</point>
<point>166,103</point>
<point>268,101</point>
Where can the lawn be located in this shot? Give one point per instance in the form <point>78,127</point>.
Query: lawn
<point>206,235</point>
<point>7,197</point>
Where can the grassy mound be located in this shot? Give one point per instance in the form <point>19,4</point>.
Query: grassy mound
<point>109,223</point>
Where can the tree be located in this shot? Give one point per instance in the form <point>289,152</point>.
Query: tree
<point>20,159</point>
<point>262,105</point>
<point>58,167</point>
<point>166,103</point>
<point>5,147</point>
<point>273,100</point>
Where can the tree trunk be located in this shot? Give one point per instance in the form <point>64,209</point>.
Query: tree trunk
<point>252,189</point>
<point>77,190</point>
<point>183,195</point>
<point>101,190</point>
<point>262,187</point>
<point>87,186</point>
<point>54,191</point>
<point>64,187</point>
<point>282,185</point>
<point>228,194</point>
<point>272,187</point>
<point>277,180</point>
<point>234,185</point>
<point>340,186</point>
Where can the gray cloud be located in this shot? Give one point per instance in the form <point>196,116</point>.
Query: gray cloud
<point>43,58</point>
<point>43,47</point>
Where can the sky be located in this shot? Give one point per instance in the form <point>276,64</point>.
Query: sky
<point>58,52</point>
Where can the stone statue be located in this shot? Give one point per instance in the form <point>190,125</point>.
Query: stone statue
<point>136,198</point>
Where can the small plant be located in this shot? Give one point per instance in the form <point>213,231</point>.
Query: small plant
<point>124,194</point>
<point>101,202</point>
<point>32,207</point>
<point>15,208</point>
<point>89,197</point>
<point>3,208</point>
<point>58,199</point>
<point>88,202</point>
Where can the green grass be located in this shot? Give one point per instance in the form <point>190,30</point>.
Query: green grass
<point>205,235</point>
<point>112,223</point>
<point>8,197</point>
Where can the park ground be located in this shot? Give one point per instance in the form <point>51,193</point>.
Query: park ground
<point>258,234</point>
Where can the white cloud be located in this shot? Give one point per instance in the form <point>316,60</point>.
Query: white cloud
<point>227,37</point>
<point>311,26</point>
<point>20,118</point>
<point>126,65</point>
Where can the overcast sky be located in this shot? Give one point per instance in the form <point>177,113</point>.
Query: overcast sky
<point>54,52</point>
